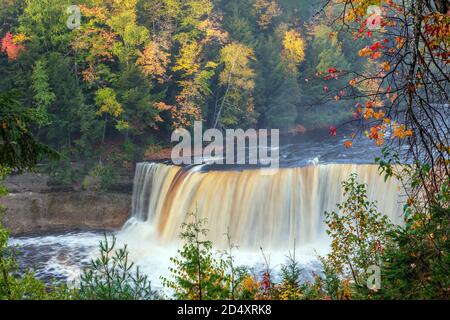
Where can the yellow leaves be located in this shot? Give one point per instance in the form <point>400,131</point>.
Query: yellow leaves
<point>213,31</point>
<point>187,60</point>
<point>105,99</point>
<point>162,106</point>
<point>355,13</point>
<point>249,284</point>
<point>289,292</point>
<point>365,52</point>
<point>97,13</point>
<point>346,293</point>
<point>20,38</point>
<point>266,10</point>
<point>376,134</point>
<point>372,51</point>
<point>154,60</point>
<point>237,72</point>
<point>293,47</point>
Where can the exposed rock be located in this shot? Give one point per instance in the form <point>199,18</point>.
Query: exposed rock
<point>30,212</point>
<point>28,182</point>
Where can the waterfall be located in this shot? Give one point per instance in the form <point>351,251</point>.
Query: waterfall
<point>271,211</point>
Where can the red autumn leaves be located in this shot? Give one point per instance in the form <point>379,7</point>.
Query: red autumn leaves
<point>11,49</point>
<point>373,51</point>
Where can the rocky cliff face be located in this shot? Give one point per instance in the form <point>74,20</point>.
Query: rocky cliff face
<point>35,207</point>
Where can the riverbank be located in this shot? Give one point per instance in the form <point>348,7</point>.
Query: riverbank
<point>35,206</point>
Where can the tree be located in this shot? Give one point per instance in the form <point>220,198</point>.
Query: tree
<point>43,96</point>
<point>196,274</point>
<point>19,149</point>
<point>267,10</point>
<point>154,61</point>
<point>416,263</point>
<point>407,82</point>
<point>293,48</point>
<point>237,79</point>
<point>44,22</point>
<point>359,234</point>
<point>111,277</point>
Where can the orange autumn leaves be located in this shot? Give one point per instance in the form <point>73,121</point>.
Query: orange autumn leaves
<point>378,132</point>
<point>374,51</point>
<point>12,45</point>
<point>384,127</point>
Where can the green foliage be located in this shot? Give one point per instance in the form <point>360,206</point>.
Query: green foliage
<point>137,69</point>
<point>197,274</point>
<point>44,21</point>
<point>417,263</point>
<point>19,149</point>
<point>291,287</point>
<point>61,172</point>
<point>43,97</point>
<point>100,178</point>
<point>359,234</point>
<point>112,277</point>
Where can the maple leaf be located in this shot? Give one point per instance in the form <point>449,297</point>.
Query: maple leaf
<point>348,144</point>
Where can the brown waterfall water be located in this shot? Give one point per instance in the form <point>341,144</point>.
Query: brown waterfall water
<point>272,211</point>
<point>267,211</point>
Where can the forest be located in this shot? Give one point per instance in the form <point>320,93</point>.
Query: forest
<point>135,70</point>
<point>90,87</point>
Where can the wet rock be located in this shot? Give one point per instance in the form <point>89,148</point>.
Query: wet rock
<point>30,212</point>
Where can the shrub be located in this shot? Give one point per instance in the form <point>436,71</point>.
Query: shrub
<point>417,263</point>
<point>197,274</point>
<point>359,234</point>
<point>111,277</point>
<point>291,287</point>
<point>100,178</point>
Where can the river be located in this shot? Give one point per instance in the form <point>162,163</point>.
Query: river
<point>276,212</point>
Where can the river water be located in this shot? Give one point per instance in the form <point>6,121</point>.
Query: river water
<point>277,212</point>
